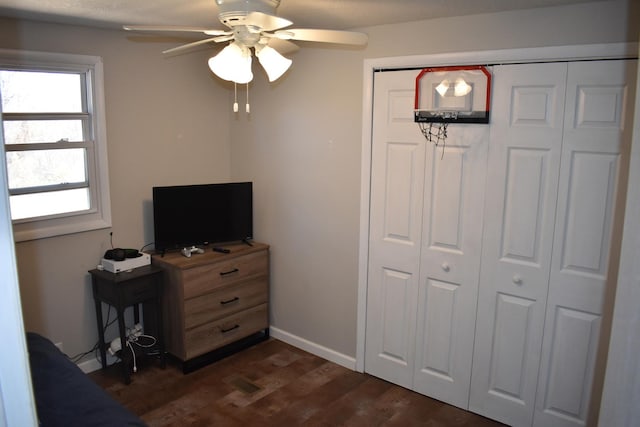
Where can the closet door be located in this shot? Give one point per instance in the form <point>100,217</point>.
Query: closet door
<point>597,120</point>
<point>520,201</point>
<point>452,233</point>
<point>425,233</point>
<point>398,163</point>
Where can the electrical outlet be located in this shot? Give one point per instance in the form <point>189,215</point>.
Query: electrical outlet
<point>60,347</point>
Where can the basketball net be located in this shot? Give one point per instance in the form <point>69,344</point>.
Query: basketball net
<point>435,132</point>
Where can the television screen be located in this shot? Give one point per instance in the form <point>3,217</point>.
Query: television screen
<point>188,215</point>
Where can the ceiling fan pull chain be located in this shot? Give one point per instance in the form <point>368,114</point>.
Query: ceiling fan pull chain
<point>235,97</point>
<point>247,106</point>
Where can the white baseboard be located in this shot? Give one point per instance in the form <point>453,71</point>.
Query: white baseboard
<point>348,362</point>
<point>94,364</point>
<point>90,365</point>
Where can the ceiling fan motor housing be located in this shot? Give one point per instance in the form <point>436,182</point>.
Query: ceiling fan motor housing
<point>234,12</point>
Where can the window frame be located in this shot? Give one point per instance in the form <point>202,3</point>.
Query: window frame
<point>98,216</point>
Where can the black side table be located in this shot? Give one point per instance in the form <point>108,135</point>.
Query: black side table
<point>142,285</point>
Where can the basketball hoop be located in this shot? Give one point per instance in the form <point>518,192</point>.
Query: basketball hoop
<point>443,95</point>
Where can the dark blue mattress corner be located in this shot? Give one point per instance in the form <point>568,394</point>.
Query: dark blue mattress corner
<point>65,396</point>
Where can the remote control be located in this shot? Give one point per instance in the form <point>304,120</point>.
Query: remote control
<point>221,250</point>
<point>192,250</point>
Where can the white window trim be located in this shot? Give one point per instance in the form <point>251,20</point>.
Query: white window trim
<point>99,216</point>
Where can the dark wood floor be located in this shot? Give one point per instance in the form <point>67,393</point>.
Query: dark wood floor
<point>275,384</point>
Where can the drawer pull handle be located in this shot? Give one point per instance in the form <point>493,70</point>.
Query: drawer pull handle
<point>224,331</point>
<point>229,301</point>
<point>226,273</point>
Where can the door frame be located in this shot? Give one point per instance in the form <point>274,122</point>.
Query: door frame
<point>507,56</point>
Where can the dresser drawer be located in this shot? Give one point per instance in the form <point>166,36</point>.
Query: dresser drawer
<point>209,336</point>
<point>207,278</point>
<point>225,301</point>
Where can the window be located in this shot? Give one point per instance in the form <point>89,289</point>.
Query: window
<point>54,143</point>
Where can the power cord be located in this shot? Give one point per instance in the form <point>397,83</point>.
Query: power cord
<point>78,357</point>
<point>133,353</point>
<point>147,245</point>
<point>133,338</point>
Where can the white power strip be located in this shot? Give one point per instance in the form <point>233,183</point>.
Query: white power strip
<point>132,334</point>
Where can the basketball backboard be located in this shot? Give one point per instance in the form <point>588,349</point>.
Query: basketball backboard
<point>456,94</point>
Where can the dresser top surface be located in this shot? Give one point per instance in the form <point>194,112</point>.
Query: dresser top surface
<point>177,260</point>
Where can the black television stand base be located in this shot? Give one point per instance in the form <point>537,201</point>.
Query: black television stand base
<point>201,361</point>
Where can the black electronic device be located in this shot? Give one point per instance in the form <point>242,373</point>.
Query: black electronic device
<point>188,215</point>
<point>119,254</point>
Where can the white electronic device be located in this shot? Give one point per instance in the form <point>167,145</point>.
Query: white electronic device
<point>192,250</point>
<point>127,264</point>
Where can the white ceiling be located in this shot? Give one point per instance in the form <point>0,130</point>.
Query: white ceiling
<point>330,14</point>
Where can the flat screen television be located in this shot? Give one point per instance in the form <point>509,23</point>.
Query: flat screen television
<point>188,215</point>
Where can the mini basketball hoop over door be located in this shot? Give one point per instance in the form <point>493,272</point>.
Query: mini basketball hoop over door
<point>456,94</point>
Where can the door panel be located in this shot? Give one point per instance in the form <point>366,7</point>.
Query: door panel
<point>426,225</point>
<point>439,299</point>
<point>396,297</point>
<point>398,162</point>
<point>450,263</point>
<point>524,205</point>
<point>588,213</point>
<point>511,347</point>
<point>524,161</point>
<point>589,206</point>
<point>572,356</point>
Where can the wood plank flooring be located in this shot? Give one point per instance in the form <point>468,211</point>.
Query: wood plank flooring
<point>275,384</point>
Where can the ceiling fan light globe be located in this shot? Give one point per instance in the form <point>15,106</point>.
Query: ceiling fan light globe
<point>232,64</point>
<point>273,62</point>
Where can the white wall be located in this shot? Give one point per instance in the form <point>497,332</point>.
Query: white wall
<point>166,124</point>
<point>301,146</point>
<point>621,394</point>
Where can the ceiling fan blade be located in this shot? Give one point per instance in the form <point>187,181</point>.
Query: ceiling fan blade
<point>266,22</point>
<point>325,36</point>
<point>282,46</point>
<point>189,45</point>
<point>170,28</point>
<point>222,38</point>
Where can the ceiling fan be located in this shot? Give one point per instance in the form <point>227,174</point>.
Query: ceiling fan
<point>253,24</point>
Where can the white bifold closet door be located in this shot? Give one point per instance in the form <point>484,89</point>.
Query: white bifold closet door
<point>492,257</point>
<point>554,172</point>
<point>524,165</point>
<point>597,131</point>
<point>425,231</point>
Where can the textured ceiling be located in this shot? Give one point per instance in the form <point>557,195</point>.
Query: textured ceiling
<point>330,14</point>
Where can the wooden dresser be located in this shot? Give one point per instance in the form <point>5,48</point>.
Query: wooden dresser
<point>215,303</point>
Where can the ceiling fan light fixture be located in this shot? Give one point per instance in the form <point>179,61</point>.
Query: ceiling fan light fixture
<point>273,62</point>
<point>233,63</point>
